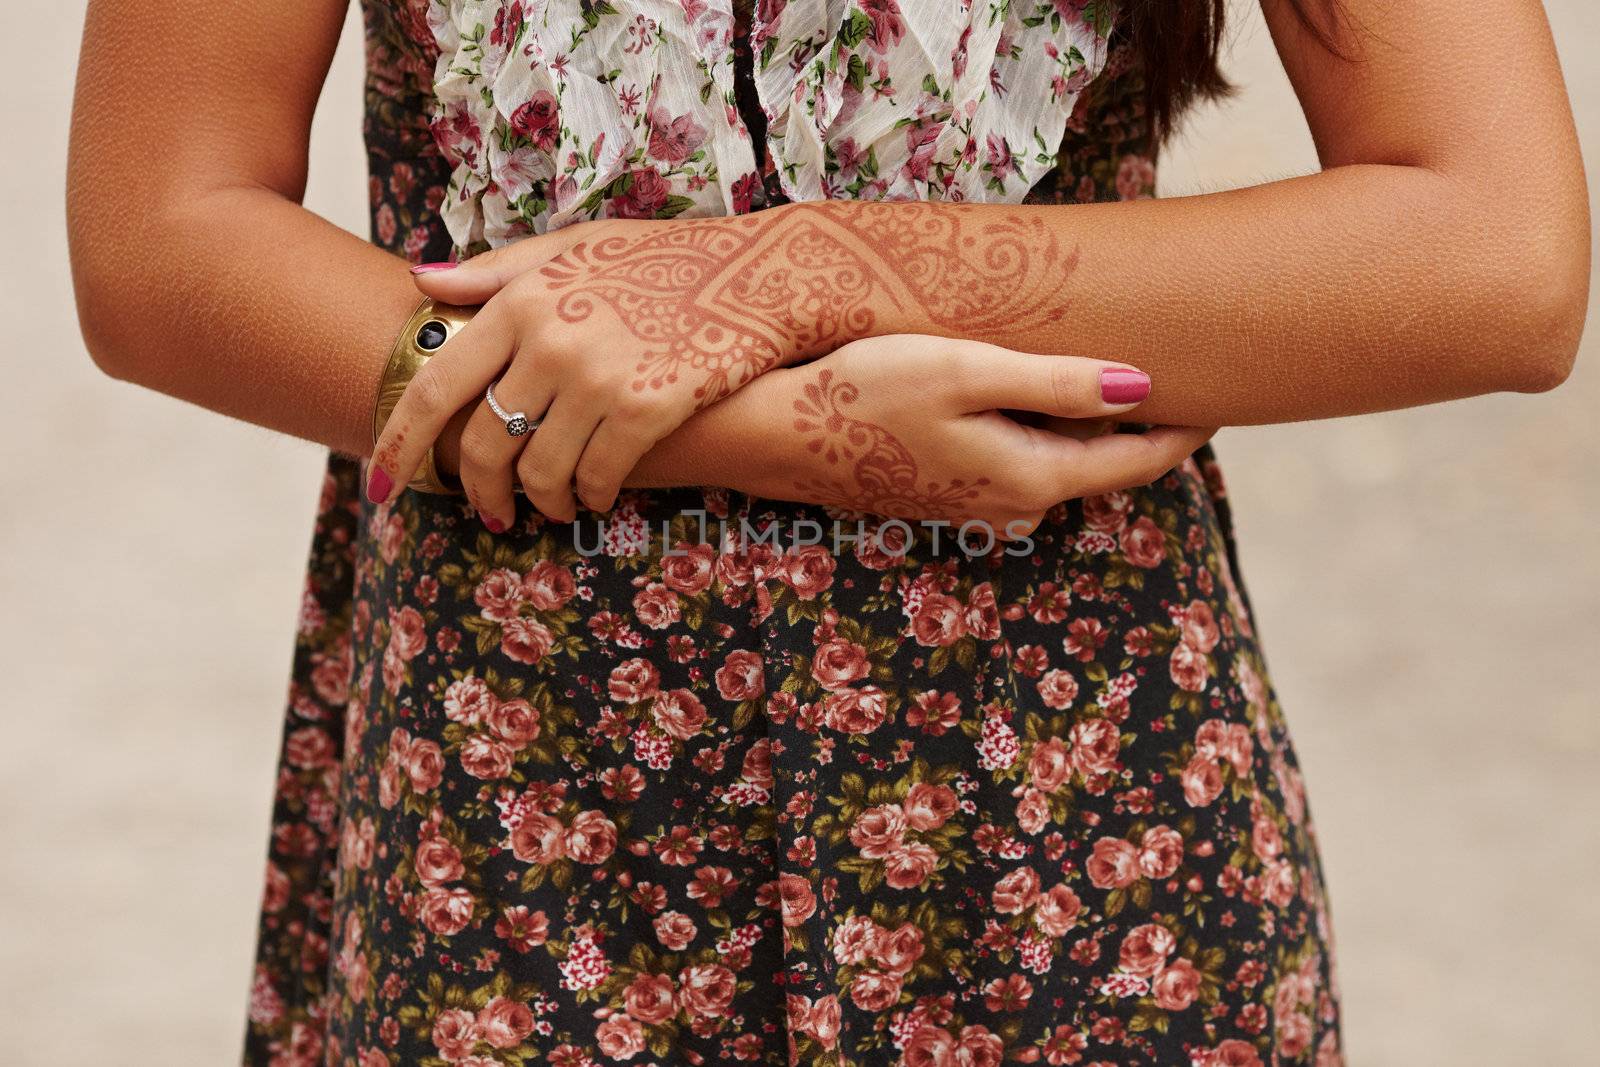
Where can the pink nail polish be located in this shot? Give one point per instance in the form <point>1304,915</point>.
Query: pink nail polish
<point>378,485</point>
<point>494,524</point>
<point>429,268</point>
<point>1120,385</point>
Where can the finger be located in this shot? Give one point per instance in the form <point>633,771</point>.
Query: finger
<point>1125,460</point>
<point>454,376</point>
<point>991,377</point>
<point>548,463</point>
<point>612,453</point>
<point>476,280</point>
<point>489,453</point>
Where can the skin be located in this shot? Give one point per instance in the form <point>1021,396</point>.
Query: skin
<point>844,437</point>
<point>1442,252</point>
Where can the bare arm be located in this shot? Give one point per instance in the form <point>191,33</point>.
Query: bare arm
<point>197,271</point>
<point>1442,253</point>
<point>199,274</point>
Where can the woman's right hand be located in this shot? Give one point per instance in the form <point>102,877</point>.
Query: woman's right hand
<point>911,426</point>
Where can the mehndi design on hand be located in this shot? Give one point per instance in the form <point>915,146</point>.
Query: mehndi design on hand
<point>878,473</point>
<point>725,300</point>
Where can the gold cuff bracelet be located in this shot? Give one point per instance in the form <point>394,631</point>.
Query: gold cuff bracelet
<point>424,333</point>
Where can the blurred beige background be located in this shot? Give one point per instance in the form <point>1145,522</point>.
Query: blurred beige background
<point>1428,585</point>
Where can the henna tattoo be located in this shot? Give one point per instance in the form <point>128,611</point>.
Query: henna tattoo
<point>881,475</point>
<point>724,299</point>
<point>389,455</point>
<point>972,270</point>
<point>816,292</point>
<point>717,302</point>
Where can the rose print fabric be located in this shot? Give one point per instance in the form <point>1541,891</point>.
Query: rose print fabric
<point>550,798</point>
<point>557,111</point>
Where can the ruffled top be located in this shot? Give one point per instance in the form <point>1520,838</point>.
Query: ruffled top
<point>555,111</point>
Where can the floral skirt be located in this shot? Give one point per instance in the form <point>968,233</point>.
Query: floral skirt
<point>564,796</point>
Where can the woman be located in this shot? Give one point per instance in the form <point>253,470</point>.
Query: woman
<point>678,789</point>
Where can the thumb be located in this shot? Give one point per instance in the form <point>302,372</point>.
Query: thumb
<point>1072,387</point>
<point>473,281</point>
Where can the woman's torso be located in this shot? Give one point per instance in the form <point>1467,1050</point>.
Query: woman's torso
<point>735,804</point>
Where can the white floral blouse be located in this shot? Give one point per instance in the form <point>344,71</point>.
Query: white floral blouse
<point>558,111</point>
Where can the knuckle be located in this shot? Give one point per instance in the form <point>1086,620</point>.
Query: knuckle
<point>477,455</point>
<point>1156,463</point>
<point>639,417</point>
<point>536,485</point>
<point>587,481</point>
<point>590,380</point>
<point>1158,467</point>
<point>602,461</point>
<point>481,437</point>
<point>956,363</point>
<point>1064,391</point>
<point>537,477</point>
<point>595,488</point>
<point>486,434</point>
<point>517,297</point>
<point>431,389</point>
<point>545,335</point>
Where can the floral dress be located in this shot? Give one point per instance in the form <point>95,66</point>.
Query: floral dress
<point>742,803</point>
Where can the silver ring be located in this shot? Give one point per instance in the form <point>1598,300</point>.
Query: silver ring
<point>517,422</point>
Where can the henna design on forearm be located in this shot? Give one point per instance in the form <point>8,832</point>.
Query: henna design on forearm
<point>981,272</point>
<point>878,473</point>
<point>721,301</point>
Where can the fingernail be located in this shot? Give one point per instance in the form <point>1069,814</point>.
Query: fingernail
<point>429,268</point>
<point>1121,385</point>
<point>494,524</point>
<point>378,485</point>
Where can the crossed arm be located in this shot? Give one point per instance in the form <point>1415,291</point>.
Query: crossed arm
<point>1442,252</point>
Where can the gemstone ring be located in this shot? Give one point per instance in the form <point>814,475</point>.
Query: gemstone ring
<point>517,422</point>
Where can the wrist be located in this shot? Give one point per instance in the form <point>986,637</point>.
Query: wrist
<point>753,433</point>
<point>733,444</point>
<point>847,285</point>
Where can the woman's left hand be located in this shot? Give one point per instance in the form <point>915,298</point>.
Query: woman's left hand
<point>609,334</point>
